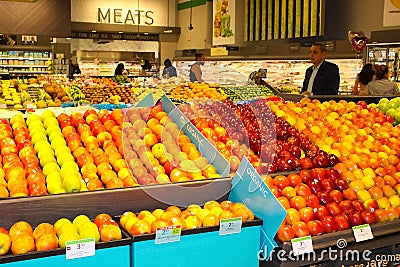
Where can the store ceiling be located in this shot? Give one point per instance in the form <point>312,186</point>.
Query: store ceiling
<point>31,1</point>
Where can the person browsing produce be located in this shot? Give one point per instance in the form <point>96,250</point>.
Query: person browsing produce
<point>363,78</point>
<point>169,70</point>
<point>322,78</point>
<point>381,85</point>
<point>195,70</point>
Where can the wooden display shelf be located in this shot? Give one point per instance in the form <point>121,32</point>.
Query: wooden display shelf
<point>113,201</point>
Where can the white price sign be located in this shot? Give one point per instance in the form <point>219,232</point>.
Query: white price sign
<point>168,234</point>
<point>2,105</point>
<point>230,226</point>
<point>302,245</point>
<point>30,106</point>
<point>362,232</point>
<point>80,248</point>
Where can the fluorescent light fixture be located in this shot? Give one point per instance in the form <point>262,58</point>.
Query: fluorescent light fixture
<point>167,31</point>
<point>120,32</point>
<point>123,40</point>
<point>94,31</point>
<point>146,33</point>
<point>68,38</point>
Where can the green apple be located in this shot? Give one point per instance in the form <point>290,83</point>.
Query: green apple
<point>37,136</point>
<point>79,220</point>
<point>394,200</point>
<point>60,222</point>
<point>65,157</point>
<point>55,187</point>
<point>53,128</point>
<point>48,114</point>
<point>67,236</point>
<point>51,168</point>
<point>363,195</point>
<point>383,202</point>
<point>54,177</point>
<point>69,166</point>
<point>45,151</point>
<point>72,183</point>
<point>89,230</point>
<point>62,149</point>
<point>33,117</point>
<point>41,144</point>
<point>47,159</point>
<point>50,122</point>
<point>35,124</point>
<point>368,182</point>
<point>55,135</point>
<point>57,142</point>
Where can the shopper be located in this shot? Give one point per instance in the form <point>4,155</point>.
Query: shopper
<point>169,70</point>
<point>119,69</point>
<point>256,77</point>
<point>381,85</point>
<point>363,78</point>
<point>195,70</point>
<point>323,77</point>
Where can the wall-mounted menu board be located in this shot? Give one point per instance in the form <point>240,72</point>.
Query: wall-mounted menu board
<point>283,19</point>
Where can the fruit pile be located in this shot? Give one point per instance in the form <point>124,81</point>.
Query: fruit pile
<point>252,130</point>
<point>390,107</point>
<point>22,238</point>
<point>247,92</point>
<point>97,94</point>
<point>194,216</point>
<point>157,151</point>
<point>196,91</point>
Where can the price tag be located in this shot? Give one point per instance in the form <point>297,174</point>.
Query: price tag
<point>168,234</point>
<point>2,105</point>
<point>80,248</point>
<point>362,232</point>
<point>302,245</point>
<point>230,226</point>
<point>30,106</point>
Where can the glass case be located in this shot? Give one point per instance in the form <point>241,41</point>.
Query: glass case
<point>385,54</point>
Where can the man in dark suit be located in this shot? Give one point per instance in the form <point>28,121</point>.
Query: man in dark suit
<point>322,78</point>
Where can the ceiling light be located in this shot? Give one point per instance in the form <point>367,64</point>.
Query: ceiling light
<point>120,32</point>
<point>93,30</point>
<point>167,31</point>
<point>68,38</point>
<point>146,33</point>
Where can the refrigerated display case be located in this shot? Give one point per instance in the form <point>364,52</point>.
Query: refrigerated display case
<point>385,54</point>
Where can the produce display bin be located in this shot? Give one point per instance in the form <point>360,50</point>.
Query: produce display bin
<point>200,247</point>
<point>107,253</point>
<point>386,235</point>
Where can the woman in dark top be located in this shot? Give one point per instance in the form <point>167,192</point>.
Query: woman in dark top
<point>119,69</point>
<point>363,78</point>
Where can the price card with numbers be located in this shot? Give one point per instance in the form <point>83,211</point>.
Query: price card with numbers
<point>230,226</point>
<point>168,234</point>
<point>80,248</point>
<point>302,245</point>
<point>362,232</point>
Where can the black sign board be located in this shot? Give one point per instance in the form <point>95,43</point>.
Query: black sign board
<point>115,36</point>
<point>189,52</point>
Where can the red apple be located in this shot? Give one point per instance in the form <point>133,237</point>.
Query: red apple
<point>320,212</point>
<point>333,208</point>
<point>381,215</point>
<point>324,198</point>
<point>336,196</point>
<point>355,218</point>
<point>358,205</point>
<point>297,202</point>
<point>327,185</point>
<point>368,217</point>
<point>315,227</point>
<point>302,190</point>
<point>342,222</point>
<point>346,206</point>
<point>350,194</point>
<point>329,224</point>
<point>285,233</point>
<point>371,205</point>
<point>306,214</point>
<point>300,229</point>
<point>318,173</point>
<point>312,200</point>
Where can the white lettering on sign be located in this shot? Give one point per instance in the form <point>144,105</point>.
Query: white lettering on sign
<point>121,16</point>
<point>258,182</point>
<point>194,134</point>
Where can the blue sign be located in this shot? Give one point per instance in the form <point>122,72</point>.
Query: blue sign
<point>196,137</point>
<point>250,189</point>
<point>148,101</point>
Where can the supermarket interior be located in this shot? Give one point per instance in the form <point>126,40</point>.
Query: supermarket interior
<point>199,133</point>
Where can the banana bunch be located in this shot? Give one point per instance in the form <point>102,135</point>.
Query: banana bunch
<point>115,99</point>
<point>74,92</point>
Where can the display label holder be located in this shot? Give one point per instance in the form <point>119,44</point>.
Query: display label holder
<point>196,137</point>
<point>80,248</point>
<point>250,189</point>
<point>147,101</point>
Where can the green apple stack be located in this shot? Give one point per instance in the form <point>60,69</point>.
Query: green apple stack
<point>66,231</point>
<point>391,107</point>
<point>68,176</point>
<point>45,152</point>
<point>86,228</point>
